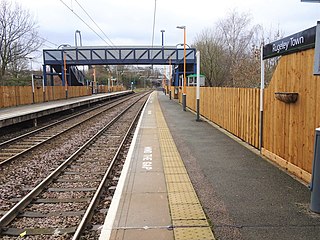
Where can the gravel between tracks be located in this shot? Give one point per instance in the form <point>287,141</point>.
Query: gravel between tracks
<point>58,222</point>
<point>28,170</point>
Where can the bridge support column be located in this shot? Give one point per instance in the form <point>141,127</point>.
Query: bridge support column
<point>44,80</point>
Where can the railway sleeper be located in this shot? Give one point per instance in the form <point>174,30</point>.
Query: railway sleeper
<point>7,154</point>
<point>23,144</point>
<point>112,189</point>
<point>63,200</point>
<point>13,150</point>
<point>78,180</point>
<point>33,214</point>
<point>40,137</point>
<point>77,173</point>
<point>71,189</point>
<point>38,231</point>
<point>19,146</point>
<point>30,142</point>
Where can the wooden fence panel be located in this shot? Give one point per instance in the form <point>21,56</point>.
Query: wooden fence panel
<point>2,96</point>
<point>49,93</point>
<point>24,95</point>
<point>39,95</point>
<point>288,135</point>
<point>9,97</point>
<point>192,98</point>
<point>20,95</point>
<point>234,109</point>
<point>77,91</point>
<point>59,92</point>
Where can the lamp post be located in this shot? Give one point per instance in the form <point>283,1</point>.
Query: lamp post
<point>75,38</point>
<point>32,80</point>
<point>184,68</point>
<point>181,44</point>
<point>162,37</point>
<point>164,81</point>
<point>170,73</point>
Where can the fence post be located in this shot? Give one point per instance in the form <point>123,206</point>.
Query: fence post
<point>261,99</point>
<point>32,84</point>
<point>44,80</point>
<point>198,85</point>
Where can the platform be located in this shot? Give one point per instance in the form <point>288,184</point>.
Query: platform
<point>155,198</point>
<point>13,115</point>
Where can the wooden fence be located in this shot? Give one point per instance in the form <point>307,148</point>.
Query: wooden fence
<point>288,134</point>
<point>20,95</point>
<point>288,128</point>
<point>234,109</point>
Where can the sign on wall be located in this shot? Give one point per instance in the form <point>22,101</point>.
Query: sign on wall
<point>297,42</point>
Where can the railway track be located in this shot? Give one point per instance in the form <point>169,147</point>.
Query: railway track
<point>15,147</point>
<point>63,204</point>
<point>29,169</point>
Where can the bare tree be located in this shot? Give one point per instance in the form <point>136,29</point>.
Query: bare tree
<point>17,66</point>
<point>238,37</point>
<point>270,35</point>
<point>230,51</point>
<point>227,58</point>
<point>213,57</point>
<point>18,35</point>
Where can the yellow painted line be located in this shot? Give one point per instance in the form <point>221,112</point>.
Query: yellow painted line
<point>188,218</point>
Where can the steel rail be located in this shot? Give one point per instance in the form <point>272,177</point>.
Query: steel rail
<point>16,209</point>
<point>55,123</point>
<point>52,125</point>
<point>95,200</point>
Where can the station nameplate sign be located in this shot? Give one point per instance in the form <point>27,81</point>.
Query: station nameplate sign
<point>297,42</point>
<point>35,76</point>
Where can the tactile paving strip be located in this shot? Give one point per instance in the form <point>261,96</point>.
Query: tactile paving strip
<point>191,223</point>
<point>177,170</point>
<point>188,218</point>
<point>176,178</point>
<point>194,233</point>
<point>187,212</point>
<point>171,162</point>
<point>183,198</point>
<point>179,187</point>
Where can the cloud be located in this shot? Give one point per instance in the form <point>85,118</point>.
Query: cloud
<point>128,22</point>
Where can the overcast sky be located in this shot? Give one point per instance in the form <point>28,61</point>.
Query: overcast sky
<point>128,22</point>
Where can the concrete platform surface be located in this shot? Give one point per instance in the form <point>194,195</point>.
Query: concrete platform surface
<point>154,198</point>
<point>13,115</point>
<point>244,196</point>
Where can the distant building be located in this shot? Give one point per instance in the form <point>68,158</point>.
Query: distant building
<point>192,80</point>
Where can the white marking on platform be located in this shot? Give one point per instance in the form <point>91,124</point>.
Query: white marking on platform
<point>109,220</point>
<point>149,112</point>
<point>147,159</point>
